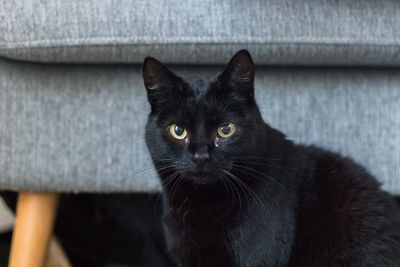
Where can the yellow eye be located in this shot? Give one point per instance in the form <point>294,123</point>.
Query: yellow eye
<point>177,132</point>
<point>226,129</point>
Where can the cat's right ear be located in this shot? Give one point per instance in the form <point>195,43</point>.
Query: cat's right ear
<point>239,73</point>
<point>157,78</point>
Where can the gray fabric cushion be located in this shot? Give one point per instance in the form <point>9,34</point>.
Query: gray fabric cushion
<point>81,127</point>
<point>309,32</point>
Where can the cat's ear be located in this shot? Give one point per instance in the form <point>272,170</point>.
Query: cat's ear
<point>239,73</point>
<point>157,79</point>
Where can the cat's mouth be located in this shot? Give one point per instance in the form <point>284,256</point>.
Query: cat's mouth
<point>201,174</point>
<point>202,177</point>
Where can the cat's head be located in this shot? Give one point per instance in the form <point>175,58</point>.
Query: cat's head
<point>198,128</point>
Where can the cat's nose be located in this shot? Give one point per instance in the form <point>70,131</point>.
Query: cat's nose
<point>201,156</point>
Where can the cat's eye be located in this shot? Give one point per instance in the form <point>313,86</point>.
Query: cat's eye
<point>177,131</point>
<point>226,129</point>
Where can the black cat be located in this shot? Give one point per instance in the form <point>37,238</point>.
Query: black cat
<point>238,193</point>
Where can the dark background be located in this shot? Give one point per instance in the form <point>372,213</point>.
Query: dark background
<point>105,229</point>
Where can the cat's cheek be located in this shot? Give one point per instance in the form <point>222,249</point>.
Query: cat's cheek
<point>220,141</point>
<point>175,143</point>
<point>181,143</point>
<point>186,141</point>
<point>227,141</point>
<point>217,141</point>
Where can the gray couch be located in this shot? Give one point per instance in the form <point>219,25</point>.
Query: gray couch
<point>327,74</point>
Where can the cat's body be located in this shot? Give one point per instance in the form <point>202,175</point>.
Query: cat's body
<point>238,193</point>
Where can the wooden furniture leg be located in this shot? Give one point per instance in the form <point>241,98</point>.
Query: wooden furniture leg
<point>35,215</point>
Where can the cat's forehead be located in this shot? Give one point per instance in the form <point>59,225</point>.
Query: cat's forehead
<point>201,86</point>
<point>204,103</point>
<point>201,99</point>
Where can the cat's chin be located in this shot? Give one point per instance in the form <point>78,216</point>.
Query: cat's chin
<point>202,178</point>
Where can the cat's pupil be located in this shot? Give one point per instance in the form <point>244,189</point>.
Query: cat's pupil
<point>179,130</point>
<point>226,129</point>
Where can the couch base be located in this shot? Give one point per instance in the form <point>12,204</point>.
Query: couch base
<point>81,127</point>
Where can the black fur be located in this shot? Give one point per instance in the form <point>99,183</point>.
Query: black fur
<point>257,199</point>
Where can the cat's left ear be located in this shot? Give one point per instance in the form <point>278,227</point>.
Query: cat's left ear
<point>239,73</point>
<point>158,80</point>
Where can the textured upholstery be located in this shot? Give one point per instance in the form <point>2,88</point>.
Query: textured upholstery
<point>80,127</point>
<point>307,32</point>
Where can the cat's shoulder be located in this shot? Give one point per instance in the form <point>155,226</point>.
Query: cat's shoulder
<point>344,215</point>
<point>338,183</point>
<point>333,169</point>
